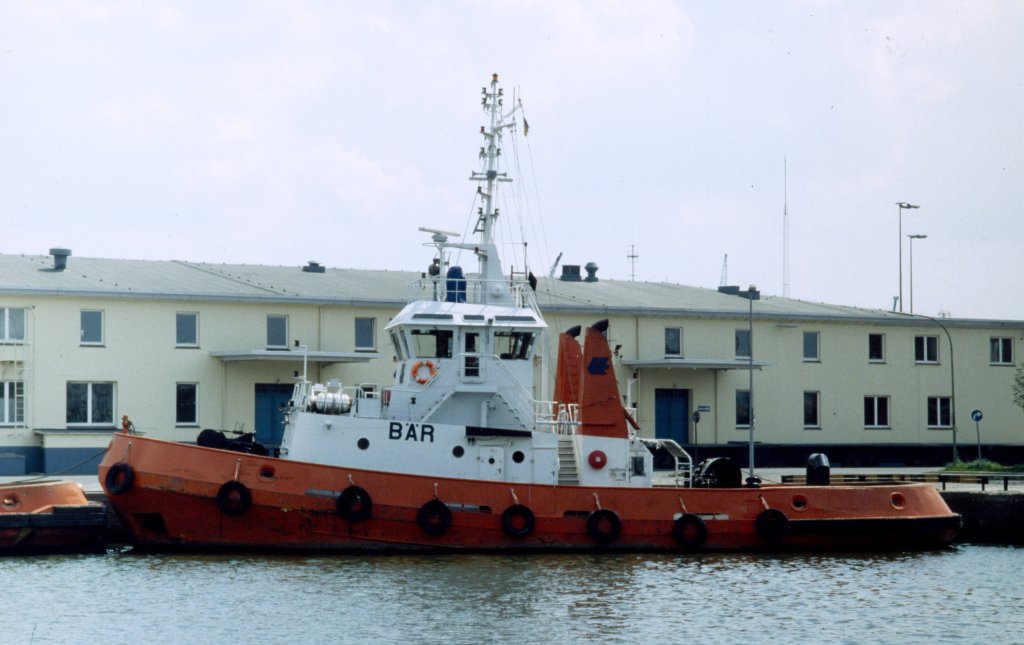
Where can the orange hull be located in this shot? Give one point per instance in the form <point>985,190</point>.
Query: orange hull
<point>49,516</point>
<point>226,500</point>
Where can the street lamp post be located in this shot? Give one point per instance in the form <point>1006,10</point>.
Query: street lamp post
<point>751,294</point>
<point>912,238</point>
<point>902,206</point>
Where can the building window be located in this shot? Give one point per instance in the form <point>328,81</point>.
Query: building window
<point>92,327</point>
<point>743,343</point>
<point>811,339</point>
<point>277,332</point>
<point>926,349</point>
<point>12,325</point>
<point>876,412</point>
<point>187,404</point>
<point>12,402</point>
<point>1000,351</point>
<point>90,403</point>
<point>876,348</point>
<point>811,409</point>
<point>366,338</point>
<point>673,341</point>
<point>742,408</point>
<point>939,412</point>
<point>186,329</point>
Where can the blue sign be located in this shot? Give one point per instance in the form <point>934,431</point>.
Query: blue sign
<point>976,415</point>
<point>598,365</point>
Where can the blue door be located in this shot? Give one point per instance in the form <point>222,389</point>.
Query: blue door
<point>672,415</point>
<point>269,416</point>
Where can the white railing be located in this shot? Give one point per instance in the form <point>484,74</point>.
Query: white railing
<point>471,290</point>
<point>560,418</point>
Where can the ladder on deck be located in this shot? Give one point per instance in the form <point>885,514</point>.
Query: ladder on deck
<point>567,470</point>
<point>683,472</point>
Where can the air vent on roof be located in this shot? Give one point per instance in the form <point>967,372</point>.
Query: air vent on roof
<point>60,258</point>
<point>314,267</point>
<point>591,268</point>
<point>571,272</point>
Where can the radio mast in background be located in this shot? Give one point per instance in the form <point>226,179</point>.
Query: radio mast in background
<point>632,257</point>
<point>785,231</point>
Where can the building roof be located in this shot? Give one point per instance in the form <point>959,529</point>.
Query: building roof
<point>180,280</point>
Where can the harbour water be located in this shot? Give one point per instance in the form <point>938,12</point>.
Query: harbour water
<point>968,593</point>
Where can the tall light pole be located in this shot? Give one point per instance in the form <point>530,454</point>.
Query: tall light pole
<point>902,206</point>
<point>912,238</point>
<point>751,294</point>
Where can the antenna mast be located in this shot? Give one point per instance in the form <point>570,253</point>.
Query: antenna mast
<point>785,230</point>
<point>632,257</point>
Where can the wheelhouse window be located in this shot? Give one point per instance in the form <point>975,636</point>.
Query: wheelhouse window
<point>90,403</point>
<point>743,343</point>
<point>926,349</point>
<point>12,402</point>
<point>277,331</point>
<point>366,336</point>
<point>513,344</point>
<point>742,408</point>
<point>12,326</point>
<point>940,412</point>
<point>876,412</point>
<point>811,345</point>
<point>186,325</point>
<point>471,346</point>
<point>396,341</point>
<point>1000,351</point>
<point>673,341</point>
<point>811,419</point>
<point>432,343</point>
<point>91,329</point>
<point>876,348</point>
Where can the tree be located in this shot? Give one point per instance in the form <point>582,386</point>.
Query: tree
<point>1018,386</point>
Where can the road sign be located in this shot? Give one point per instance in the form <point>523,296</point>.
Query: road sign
<point>976,415</point>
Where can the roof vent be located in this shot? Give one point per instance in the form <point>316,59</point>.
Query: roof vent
<point>591,268</point>
<point>314,267</point>
<point>731,289</point>
<point>571,272</point>
<point>60,258</point>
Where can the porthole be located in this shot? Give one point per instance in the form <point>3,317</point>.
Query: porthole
<point>799,503</point>
<point>898,501</point>
<point>518,456</point>
<point>458,451</point>
<point>491,461</point>
<point>267,473</point>
<point>363,443</point>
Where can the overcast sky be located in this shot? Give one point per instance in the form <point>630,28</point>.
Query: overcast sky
<point>281,132</point>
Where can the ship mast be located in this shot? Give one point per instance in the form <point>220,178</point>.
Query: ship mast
<point>490,263</point>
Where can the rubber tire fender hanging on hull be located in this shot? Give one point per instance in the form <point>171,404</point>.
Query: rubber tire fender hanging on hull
<point>434,517</point>
<point>604,534</point>
<point>355,504</point>
<point>120,478</point>
<point>690,531</point>
<point>233,498</point>
<point>518,521</point>
<point>772,525</point>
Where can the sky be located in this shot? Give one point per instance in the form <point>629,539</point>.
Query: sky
<point>678,132</point>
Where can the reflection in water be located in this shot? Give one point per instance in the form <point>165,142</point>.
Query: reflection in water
<point>967,593</point>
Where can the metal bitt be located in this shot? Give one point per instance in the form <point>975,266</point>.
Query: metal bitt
<point>902,206</point>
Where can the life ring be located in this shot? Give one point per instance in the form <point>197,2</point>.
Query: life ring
<point>604,525</point>
<point>690,531</point>
<point>416,370</point>
<point>518,521</point>
<point>233,498</point>
<point>597,459</point>
<point>434,517</point>
<point>772,525</point>
<point>354,504</point>
<point>120,478</point>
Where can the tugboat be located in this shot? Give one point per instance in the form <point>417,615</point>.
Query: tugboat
<point>457,455</point>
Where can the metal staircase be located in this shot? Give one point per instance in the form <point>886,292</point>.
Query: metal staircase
<point>568,473</point>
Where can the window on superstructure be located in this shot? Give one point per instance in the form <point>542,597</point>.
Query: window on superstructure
<point>472,362</point>
<point>12,402</point>
<point>514,345</point>
<point>12,325</point>
<point>396,341</point>
<point>432,343</point>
